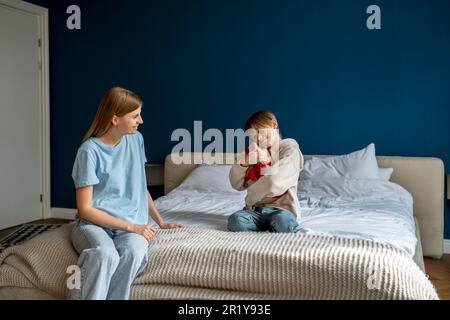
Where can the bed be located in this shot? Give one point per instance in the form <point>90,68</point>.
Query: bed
<point>204,261</point>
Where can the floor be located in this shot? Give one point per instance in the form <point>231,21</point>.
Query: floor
<point>438,270</point>
<point>5,232</point>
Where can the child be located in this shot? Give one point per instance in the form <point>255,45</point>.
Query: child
<point>112,231</point>
<point>271,203</point>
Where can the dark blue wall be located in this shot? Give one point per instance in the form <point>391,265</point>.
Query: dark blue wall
<point>334,85</point>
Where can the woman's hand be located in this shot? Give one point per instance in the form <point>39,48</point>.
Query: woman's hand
<point>166,225</point>
<point>144,230</point>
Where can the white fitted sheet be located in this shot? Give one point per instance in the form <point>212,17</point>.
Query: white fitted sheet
<point>361,209</point>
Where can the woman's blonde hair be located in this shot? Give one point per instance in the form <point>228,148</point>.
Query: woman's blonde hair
<point>260,119</point>
<point>118,102</point>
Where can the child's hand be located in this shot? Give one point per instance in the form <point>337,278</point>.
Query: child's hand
<point>254,155</point>
<point>263,155</point>
<point>251,154</point>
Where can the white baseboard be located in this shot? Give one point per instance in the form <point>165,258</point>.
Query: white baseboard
<point>63,213</point>
<point>447,246</point>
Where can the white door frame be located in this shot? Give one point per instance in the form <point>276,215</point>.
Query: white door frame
<point>44,95</point>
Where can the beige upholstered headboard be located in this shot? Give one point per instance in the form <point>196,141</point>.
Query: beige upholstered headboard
<point>422,177</point>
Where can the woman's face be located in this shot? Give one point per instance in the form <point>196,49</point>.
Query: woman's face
<point>129,123</point>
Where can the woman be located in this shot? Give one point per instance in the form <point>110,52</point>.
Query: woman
<point>112,230</point>
<point>270,179</point>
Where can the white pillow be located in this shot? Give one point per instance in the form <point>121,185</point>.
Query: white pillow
<point>208,178</point>
<point>361,164</point>
<point>385,173</point>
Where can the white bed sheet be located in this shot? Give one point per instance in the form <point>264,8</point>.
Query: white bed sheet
<point>374,210</point>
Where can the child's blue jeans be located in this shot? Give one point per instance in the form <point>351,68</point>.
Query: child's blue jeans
<point>263,219</point>
<point>109,260</point>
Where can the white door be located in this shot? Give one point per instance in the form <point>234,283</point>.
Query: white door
<point>20,158</point>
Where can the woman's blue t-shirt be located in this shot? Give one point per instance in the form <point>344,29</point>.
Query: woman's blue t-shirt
<point>117,175</point>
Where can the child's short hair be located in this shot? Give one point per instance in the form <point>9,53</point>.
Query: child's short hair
<point>261,119</point>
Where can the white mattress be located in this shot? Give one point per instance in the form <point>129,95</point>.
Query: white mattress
<point>364,209</point>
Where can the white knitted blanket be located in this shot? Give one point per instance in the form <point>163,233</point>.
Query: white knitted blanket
<point>205,264</point>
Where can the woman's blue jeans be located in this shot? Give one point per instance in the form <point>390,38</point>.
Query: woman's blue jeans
<point>109,260</point>
<point>263,219</point>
